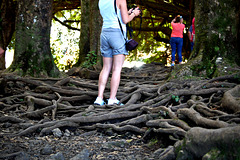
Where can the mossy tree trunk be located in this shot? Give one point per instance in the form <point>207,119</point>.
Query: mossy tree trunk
<point>95,30</point>
<point>91,23</point>
<point>7,25</point>
<point>32,51</point>
<point>84,44</point>
<point>217,31</point>
<point>238,26</point>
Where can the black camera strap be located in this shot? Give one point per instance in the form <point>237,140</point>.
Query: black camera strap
<point>115,5</point>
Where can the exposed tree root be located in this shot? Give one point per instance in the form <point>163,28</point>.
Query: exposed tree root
<point>152,106</point>
<point>11,155</point>
<point>231,99</point>
<point>121,129</point>
<point>201,121</point>
<point>200,141</point>
<point>174,122</point>
<point>11,119</point>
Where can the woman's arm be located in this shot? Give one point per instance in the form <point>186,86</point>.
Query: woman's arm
<point>174,20</point>
<point>122,5</point>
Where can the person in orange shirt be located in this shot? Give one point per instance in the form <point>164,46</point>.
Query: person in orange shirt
<point>176,40</point>
<point>193,29</point>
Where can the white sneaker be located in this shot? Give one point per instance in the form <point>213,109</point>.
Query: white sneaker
<point>114,101</point>
<point>99,101</point>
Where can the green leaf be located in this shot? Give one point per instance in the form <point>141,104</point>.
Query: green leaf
<point>177,99</point>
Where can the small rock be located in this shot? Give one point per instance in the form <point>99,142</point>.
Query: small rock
<point>47,150</point>
<point>57,156</point>
<point>81,143</point>
<point>113,144</point>
<point>67,133</point>
<point>83,155</point>
<point>57,132</point>
<point>22,156</point>
<point>138,157</point>
<point>33,143</point>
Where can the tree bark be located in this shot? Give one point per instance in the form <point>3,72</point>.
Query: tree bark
<point>216,33</point>
<point>7,25</point>
<point>95,27</point>
<point>84,44</point>
<point>200,141</point>
<point>238,32</point>
<point>91,23</point>
<point>32,51</point>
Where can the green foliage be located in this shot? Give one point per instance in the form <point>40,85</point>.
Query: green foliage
<point>217,35</point>
<point>149,49</point>
<point>237,77</point>
<point>153,142</point>
<point>207,68</point>
<point>91,60</point>
<point>175,98</point>
<point>64,41</point>
<point>225,152</point>
<point>11,45</point>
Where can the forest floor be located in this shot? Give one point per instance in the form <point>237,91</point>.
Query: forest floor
<point>79,145</point>
<point>55,119</point>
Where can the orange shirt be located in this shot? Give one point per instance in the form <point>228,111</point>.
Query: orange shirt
<point>177,30</point>
<point>193,25</point>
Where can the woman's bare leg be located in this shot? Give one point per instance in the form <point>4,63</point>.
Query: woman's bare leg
<point>103,77</point>
<point>118,61</point>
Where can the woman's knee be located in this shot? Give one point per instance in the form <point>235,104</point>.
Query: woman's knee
<point>116,70</point>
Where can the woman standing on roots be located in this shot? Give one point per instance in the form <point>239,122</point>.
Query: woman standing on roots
<point>176,40</point>
<point>113,47</point>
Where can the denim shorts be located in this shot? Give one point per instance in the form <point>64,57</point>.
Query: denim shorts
<point>112,42</point>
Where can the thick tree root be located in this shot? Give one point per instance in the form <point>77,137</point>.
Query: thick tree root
<point>173,110</point>
<point>201,121</point>
<point>231,99</point>
<point>199,141</point>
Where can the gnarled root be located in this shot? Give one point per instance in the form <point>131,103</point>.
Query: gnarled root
<point>231,99</point>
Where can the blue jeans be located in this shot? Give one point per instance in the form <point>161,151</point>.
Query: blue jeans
<point>176,44</point>
<point>192,44</point>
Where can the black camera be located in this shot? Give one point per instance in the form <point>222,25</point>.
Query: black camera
<point>135,6</point>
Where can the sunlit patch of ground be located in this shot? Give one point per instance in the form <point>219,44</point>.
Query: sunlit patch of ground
<point>133,64</point>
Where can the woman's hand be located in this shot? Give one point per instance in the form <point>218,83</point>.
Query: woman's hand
<point>130,11</point>
<point>174,20</point>
<point>136,11</point>
<point>126,17</point>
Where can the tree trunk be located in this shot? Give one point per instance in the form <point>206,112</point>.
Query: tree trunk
<point>238,34</point>
<point>84,44</point>
<point>216,33</point>
<point>95,27</point>
<point>91,22</point>
<point>7,25</point>
<point>32,51</point>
